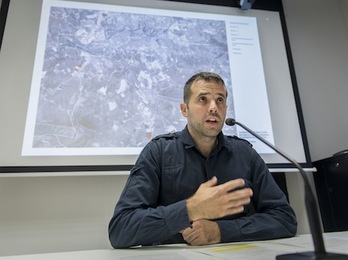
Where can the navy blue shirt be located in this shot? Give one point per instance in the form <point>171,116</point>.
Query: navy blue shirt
<point>152,207</point>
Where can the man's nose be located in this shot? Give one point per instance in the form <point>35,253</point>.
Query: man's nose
<point>212,107</point>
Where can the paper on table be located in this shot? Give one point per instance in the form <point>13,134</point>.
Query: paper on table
<point>257,250</point>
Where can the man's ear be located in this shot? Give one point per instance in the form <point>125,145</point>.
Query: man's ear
<point>183,108</point>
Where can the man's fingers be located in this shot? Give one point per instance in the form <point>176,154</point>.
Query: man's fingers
<point>210,183</point>
<point>189,235</point>
<point>238,198</point>
<point>232,185</point>
<point>240,194</point>
<point>202,232</point>
<point>186,231</point>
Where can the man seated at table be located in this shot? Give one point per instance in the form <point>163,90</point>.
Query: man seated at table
<point>199,186</point>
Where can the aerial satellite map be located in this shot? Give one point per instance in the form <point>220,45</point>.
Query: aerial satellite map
<point>115,79</point>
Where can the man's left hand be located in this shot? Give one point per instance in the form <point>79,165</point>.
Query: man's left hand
<point>202,232</point>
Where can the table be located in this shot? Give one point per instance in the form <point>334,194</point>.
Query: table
<point>335,242</point>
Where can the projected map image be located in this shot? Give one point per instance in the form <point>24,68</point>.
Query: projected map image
<point>115,79</point>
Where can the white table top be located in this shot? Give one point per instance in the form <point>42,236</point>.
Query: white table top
<point>336,242</point>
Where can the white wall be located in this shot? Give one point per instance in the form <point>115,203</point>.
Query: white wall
<point>318,32</point>
<point>319,42</point>
<point>47,214</point>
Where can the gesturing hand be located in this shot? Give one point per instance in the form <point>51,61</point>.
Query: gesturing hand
<point>213,201</point>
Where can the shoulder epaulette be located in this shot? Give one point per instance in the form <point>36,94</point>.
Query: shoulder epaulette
<point>165,136</point>
<point>238,138</point>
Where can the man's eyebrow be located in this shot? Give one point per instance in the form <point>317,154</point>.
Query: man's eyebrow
<point>203,93</point>
<point>209,93</point>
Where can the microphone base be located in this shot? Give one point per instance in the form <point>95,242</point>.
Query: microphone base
<point>312,255</point>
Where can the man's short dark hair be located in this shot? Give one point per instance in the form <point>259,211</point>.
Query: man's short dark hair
<point>205,76</point>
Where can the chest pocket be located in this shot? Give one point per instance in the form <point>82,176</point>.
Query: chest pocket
<point>170,185</point>
<point>179,183</point>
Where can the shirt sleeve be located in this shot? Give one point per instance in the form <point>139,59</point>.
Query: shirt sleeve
<point>273,216</point>
<point>137,219</point>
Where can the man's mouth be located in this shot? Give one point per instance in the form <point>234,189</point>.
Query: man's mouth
<point>212,120</point>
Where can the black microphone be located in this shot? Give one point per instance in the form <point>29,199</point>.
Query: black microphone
<point>311,208</point>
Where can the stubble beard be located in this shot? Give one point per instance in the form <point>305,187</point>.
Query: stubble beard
<point>201,131</point>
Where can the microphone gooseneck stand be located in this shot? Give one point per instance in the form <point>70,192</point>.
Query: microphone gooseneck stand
<point>311,208</point>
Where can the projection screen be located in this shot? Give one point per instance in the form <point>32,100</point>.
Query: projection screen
<point>85,85</point>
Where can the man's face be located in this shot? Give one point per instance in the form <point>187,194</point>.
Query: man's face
<point>206,110</point>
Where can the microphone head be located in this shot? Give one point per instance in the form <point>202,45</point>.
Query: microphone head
<point>230,121</point>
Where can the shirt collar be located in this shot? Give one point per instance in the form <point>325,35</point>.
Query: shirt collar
<point>189,143</point>
<point>186,138</point>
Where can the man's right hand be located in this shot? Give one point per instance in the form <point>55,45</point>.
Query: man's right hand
<point>213,201</point>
